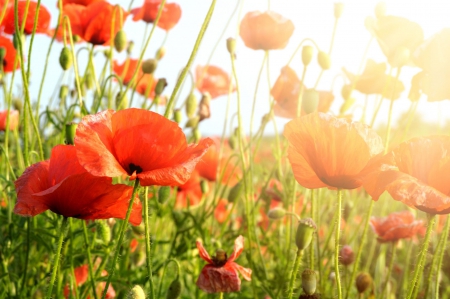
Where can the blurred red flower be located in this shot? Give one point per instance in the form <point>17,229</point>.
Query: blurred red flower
<point>10,55</point>
<point>82,275</point>
<point>126,70</point>
<point>79,2</point>
<point>63,186</point>
<point>43,18</point>
<point>190,193</point>
<point>146,85</point>
<point>325,151</point>
<point>396,226</point>
<point>170,15</point>
<point>138,143</point>
<point>221,272</point>
<point>265,31</point>
<point>422,178</point>
<point>13,119</point>
<point>212,79</point>
<point>221,212</point>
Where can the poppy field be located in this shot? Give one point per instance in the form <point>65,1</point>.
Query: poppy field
<point>322,183</point>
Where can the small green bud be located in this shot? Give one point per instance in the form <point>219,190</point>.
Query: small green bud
<point>191,105</point>
<point>307,54</point>
<point>192,122</point>
<point>149,66</point>
<point>65,58</point>
<point>305,230</point>
<point>138,229</point>
<point>324,60</point>
<point>197,135</point>
<point>177,116</point>
<point>346,91</point>
<point>17,104</point>
<point>70,133</point>
<point>2,54</point>
<point>136,293</point>
<point>89,82</point>
<point>310,101</point>
<point>309,281</point>
<point>363,282</point>
<point>63,92</point>
<point>235,192</point>
<point>160,53</point>
<point>162,83</point>
<point>276,213</point>
<point>163,194</point>
<point>380,9</point>
<point>104,231</point>
<point>233,142</point>
<point>120,41</point>
<point>16,37</point>
<point>338,9</point>
<point>174,290</point>
<point>130,47</point>
<point>76,38</point>
<point>231,45</point>
<point>204,186</point>
<point>347,105</point>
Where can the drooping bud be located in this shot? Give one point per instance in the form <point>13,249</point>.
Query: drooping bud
<point>276,213</point>
<point>204,110</point>
<point>130,47</point>
<point>307,54</point>
<point>192,122</point>
<point>89,82</point>
<point>346,91</point>
<point>163,194</point>
<point>104,231</point>
<point>197,135</point>
<point>149,66</point>
<point>191,105</point>
<point>139,230</point>
<point>338,9</point>
<point>346,255</point>
<point>65,59</point>
<point>63,92</point>
<point>204,186</point>
<point>231,45</point>
<point>310,101</point>
<point>309,281</point>
<point>363,282</point>
<point>174,290</point>
<point>120,41</point>
<point>160,53</point>
<point>160,86</point>
<point>305,230</point>
<point>380,9</point>
<point>235,192</point>
<point>70,133</point>
<point>136,293</point>
<point>324,60</point>
<point>177,116</point>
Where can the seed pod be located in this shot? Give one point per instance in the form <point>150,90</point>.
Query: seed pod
<point>120,41</point>
<point>363,282</point>
<point>65,59</point>
<point>197,135</point>
<point>204,110</point>
<point>70,133</point>
<point>174,290</point>
<point>162,83</point>
<point>305,230</point>
<point>89,82</point>
<point>136,293</point>
<point>310,101</point>
<point>276,213</point>
<point>177,116</point>
<point>160,53</point>
<point>149,66</point>
<point>309,281</point>
<point>324,60</point>
<point>338,9</point>
<point>307,54</point>
<point>235,192</point>
<point>231,45</point>
<point>346,255</point>
<point>63,92</point>
<point>191,105</point>
<point>163,194</point>
<point>104,231</point>
<point>192,122</point>
<point>130,47</point>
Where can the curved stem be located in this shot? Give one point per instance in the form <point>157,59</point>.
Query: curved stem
<point>336,242</point>
<point>121,234</point>
<point>90,266</point>
<point>57,257</point>
<point>148,247</point>
<point>293,276</point>
<point>444,236</point>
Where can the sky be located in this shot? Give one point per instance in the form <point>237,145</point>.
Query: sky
<point>312,19</point>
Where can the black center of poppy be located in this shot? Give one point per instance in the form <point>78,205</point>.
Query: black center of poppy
<point>134,168</point>
<point>220,258</point>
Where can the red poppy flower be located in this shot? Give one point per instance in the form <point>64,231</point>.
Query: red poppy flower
<point>286,90</point>
<point>212,79</point>
<point>43,18</point>
<point>266,31</point>
<point>221,212</point>
<point>126,70</point>
<point>79,2</point>
<point>138,143</point>
<point>10,55</point>
<point>190,193</point>
<point>63,186</point>
<point>82,275</point>
<point>170,15</point>
<point>325,151</point>
<point>422,178</point>
<point>133,245</point>
<point>13,119</point>
<point>221,273</point>
<point>396,226</point>
<point>146,85</point>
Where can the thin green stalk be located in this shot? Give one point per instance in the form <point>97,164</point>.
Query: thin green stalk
<point>220,295</point>
<point>313,214</point>
<point>255,94</point>
<point>89,257</point>
<point>148,245</point>
<point>27,254</point>
<point>391,264</point>
<point>418,271</point>
<point>336,242</point>
<point>121,234</point>
<point>433,263</point>
<point>293,276</point>
<point>57,257</point>
<point>444,236</point>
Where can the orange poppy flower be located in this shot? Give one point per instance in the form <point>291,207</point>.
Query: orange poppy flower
<point>325,151</point>
<point>10,55</point>
<point>265,31</point>
<point>286,90</point>
<point>212,79</point>
<point>79,2</point>
<point>190,193</point>
<point>221,212</point>
<point>422,178</point>
<point>82,275</point>
<point>63,186</point>
<point>220,275</point>
<point>13,119</point>
<point>396,226</point>
<point>43,20</point>
<point>146,85</point>
<point>126,70</point>
<point>373,81</point>
<point>170,15</point>
<point>138,143</point>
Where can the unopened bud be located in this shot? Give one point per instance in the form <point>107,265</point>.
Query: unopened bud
<point>160,53</point>
<point>231,45</point>
<point>2,54</point>
<point>174,290</point>
<point>338,9</point>
<point>346,91</point>
<point>138,229</point>
<point>235,192</point>
<point>70,133</point>
<point>197,135</point>
<point>346,255</point>
<point>204,186</point>
<point>192,122</point>
<point>307,54</point>
<point>310,101</point>
<point>177,116</point>
<point>89,82</point>
<point>305,230</point>
<point>104,231</point>
<point>380,9</point>
<point>191,105</point>
<point>149,66</point>
<point>130,47</point>
<point>121,101</point>
<point>324,60</point>
<point>16,38</point>
<point>309,281</point>
<point>136,293</point>
<point>204,110</point>
<point>160,86</point>
<point>65,59</point>
<point>120,41</point>
<point>163,194</point>
<point>276,213</point>
<point>363,282</point>
<point>63,92</point>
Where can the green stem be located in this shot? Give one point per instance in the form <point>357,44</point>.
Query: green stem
<point>148,243</point>
<point>90,266</point>
<point>221,295</point>
<point>336,242</point>
<point>444,236</point>
<point>391,264</point>
<point>293,276</point>
<point>312,249</point>
<point>418,271</point>
<point>57,257</point>
<point>433,263</point>
<point>121,234</point>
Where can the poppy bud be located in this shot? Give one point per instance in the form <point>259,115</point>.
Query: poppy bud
<point>192,122</point>
<point>149,66</point>
<point>204,110</point>
<point>104,232</point>
<point>310,101</point>
<point>139,258</point>
<point>2,54</point>
<point>63,92</point>
<point>120,41</point>
<point>305,230</point>
<point>235,192</point>
<point>231,45</point>
<point>107,53</point>
<point>162,83</point>
<point>346,255</point>
<point>309,281</point>
<point>380,9</point>
<point>130,47</point>
<point>163,194</point>
<point>16,37</point>
<point>136,293</point>
<point>401,57</point>
<point>121,101</point>
<point>347,105</point>
<point>65,59</point>
<point>138,229</point>
<point>89,81</point>
<point>204,187</point>
<point>76,38</point>
<point>191,105</point>
<point>70,133</point>
<point>160,53</point>
<point>177,116</point>
<point>174,290</point>
<point>17,104</point>
<point>338,9</point>
<point>276,213</point>
<point>363,282</point>
<point>346,91</point>
<point>324,60</point>
<point>307,54</point>
<point>197,135</point>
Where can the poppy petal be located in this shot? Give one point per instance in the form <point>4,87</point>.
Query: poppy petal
<point>219,279</point>
<point>203,253</point>
<point>245,272</point>
<point>238,248</point>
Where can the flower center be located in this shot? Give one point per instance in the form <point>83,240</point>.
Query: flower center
<point>134,168</point>
<point>220,258</point>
